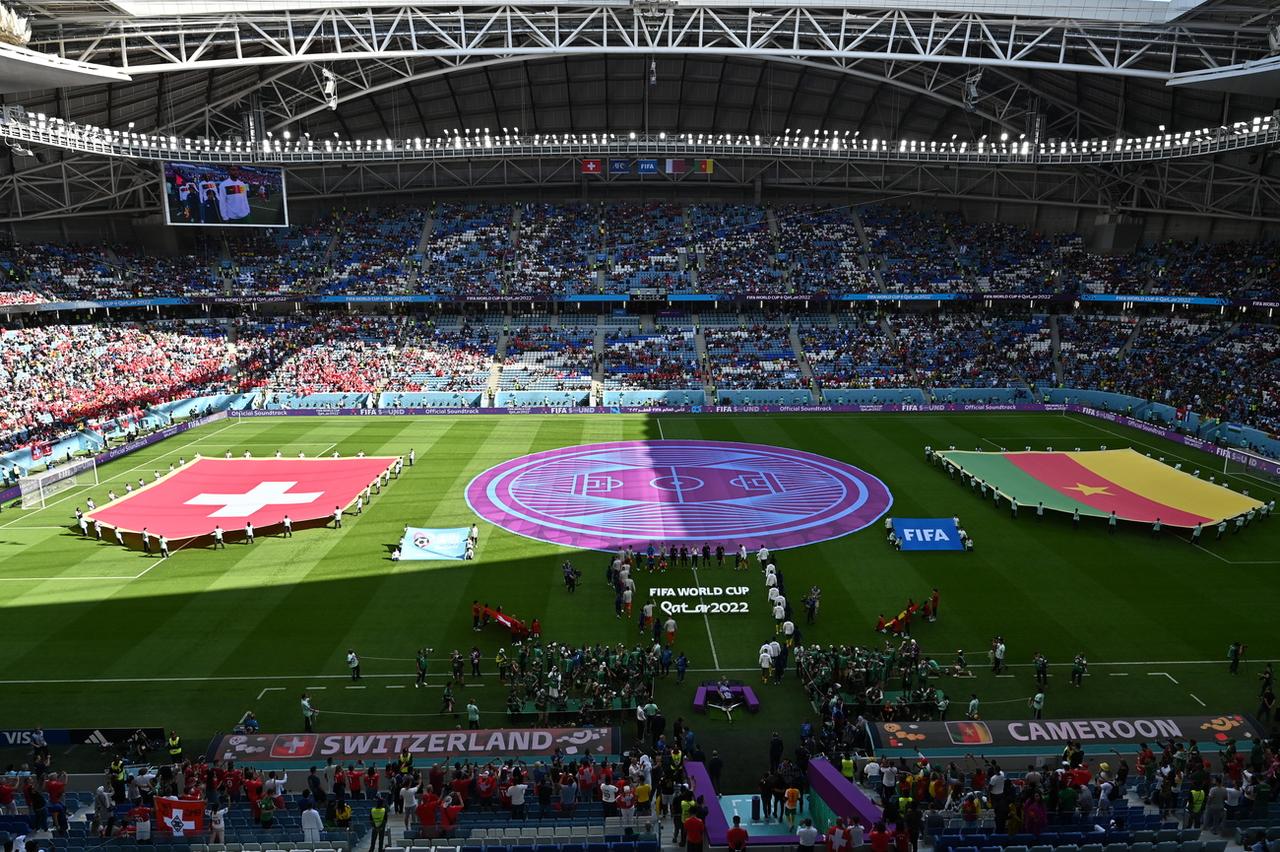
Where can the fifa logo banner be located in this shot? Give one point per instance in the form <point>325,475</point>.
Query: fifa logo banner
<point>425,543</point>
<point>927,534</point>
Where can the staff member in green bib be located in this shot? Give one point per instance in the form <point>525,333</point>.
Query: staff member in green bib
<point>378,820</point>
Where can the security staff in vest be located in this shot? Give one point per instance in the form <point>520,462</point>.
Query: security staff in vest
<point>378,820</point>
<point>174,745</point>
<point>847,766</point>
<point>119,779</point>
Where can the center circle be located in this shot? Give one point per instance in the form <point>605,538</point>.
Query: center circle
<point>606,496</point>
<point>676,482</point>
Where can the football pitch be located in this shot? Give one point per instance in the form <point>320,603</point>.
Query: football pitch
<point>96,635</point>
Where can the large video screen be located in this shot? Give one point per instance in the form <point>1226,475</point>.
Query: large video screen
<point>220,195</point>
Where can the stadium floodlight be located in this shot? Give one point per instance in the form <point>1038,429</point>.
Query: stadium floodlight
<point>38,488</point>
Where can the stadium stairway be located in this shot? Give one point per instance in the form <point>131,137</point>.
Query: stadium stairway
<point>700,346</point>
<point>797,349</point>
<point>428,228</point>
<point>1055,351</point>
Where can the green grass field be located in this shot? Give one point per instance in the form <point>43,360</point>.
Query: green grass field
<point>97,635</point>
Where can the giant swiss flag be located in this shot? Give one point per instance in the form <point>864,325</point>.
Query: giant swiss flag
<point>206,493</point>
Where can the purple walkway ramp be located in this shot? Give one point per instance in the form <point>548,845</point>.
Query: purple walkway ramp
<point>845,798</point>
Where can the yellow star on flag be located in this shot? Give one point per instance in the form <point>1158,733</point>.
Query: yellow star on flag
<point>1090,490</point>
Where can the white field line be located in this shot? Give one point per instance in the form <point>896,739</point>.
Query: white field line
<point>155,563</point>
<point>407,675</point>
<point>715,658</point>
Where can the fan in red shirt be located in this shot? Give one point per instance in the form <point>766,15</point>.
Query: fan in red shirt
<point>6,796</point>
<point>737,836</point>
<point>339,782</point>
<point>353,782</point>
<point>586,781</point>
<point>449,814</point>
<point>427,810</point>
<point>253,792</point>
<point>55,786</point>
<point>435,778</point>
<point>694,831</point>
<point>235,783</point>
<point>486,784</point>
<point>879,838</point>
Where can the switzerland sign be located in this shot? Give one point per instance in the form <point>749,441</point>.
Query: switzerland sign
<point>429,745</point>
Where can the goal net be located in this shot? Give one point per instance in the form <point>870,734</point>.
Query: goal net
<point>1246,468</point>
<point>37,489</point>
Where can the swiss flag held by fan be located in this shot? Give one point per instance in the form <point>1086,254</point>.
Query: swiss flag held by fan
<point>180,817</point>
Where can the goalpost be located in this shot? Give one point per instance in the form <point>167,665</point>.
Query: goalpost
<point>39,488</point>
<point>1260,470</point>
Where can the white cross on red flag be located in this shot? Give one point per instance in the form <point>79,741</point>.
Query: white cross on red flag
<point>179,817</point>
<point>229,493</point>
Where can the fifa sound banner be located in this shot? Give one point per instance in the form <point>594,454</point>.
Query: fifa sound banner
<point>1054,734</point>
<point>429,745</point>
<point>420,543</point>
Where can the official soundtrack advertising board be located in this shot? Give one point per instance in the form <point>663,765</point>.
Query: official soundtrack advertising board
<point>220,195</point>
<point>1053,734</point>
<point>428,745</point>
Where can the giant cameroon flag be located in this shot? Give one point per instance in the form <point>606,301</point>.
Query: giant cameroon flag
<point>1135,487</point>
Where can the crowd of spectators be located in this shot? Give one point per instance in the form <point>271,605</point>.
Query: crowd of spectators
<point>544,250</point>
<point>735,252</point>
<point>349,354</point>
<point>553,255</point>
<point>547,357</point>
<point>821,250</point>
<point>469,251</point>
<point>61,374</point>
<point>972,351</point>
<point>57,375</point>
<point>666,359</point>
<point>852,353</point>
<point>914,249</point>
<point>375,251</point>
<point>1233,270</point>
<point>1089,350</point>
<point>995,257</point>
<point>645,246</point>
<point>752,357</point>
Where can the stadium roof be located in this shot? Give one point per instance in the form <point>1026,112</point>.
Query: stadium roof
<point>922,69</point>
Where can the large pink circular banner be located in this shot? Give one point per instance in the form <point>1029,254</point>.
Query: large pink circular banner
<point>605,496</point>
